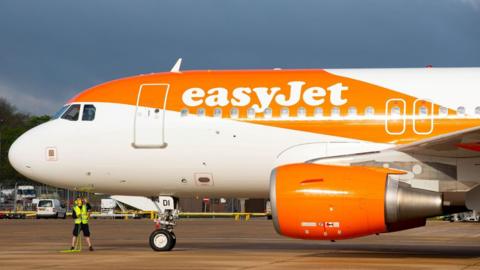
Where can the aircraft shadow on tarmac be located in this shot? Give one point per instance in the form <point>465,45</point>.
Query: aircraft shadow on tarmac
<point>346,250</point>
<point>357,250</point>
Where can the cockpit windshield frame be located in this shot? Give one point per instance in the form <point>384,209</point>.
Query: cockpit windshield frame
<point>73,112</point>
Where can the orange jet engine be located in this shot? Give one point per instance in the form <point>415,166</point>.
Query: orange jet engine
<point>325,202</point>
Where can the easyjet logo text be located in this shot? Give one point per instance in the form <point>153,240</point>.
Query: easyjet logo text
<point>242,96</point>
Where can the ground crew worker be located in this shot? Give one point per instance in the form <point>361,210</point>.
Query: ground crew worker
<point>81,213</point>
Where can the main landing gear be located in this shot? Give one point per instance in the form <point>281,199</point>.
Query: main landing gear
<point>163,238</point>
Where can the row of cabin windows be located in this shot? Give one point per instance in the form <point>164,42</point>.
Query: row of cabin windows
<point>72,112</point>
<point>284,112</point>
<point>318,112</point>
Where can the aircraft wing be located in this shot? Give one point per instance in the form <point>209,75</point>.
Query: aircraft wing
<point>461,144</point>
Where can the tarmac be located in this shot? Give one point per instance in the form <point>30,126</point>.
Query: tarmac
<point>229,244</point>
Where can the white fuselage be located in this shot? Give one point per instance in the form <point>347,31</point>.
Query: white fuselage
<point>99,156</point>
<point>236,156</point>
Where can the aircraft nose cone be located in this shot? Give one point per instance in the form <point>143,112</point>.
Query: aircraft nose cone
<point>19,156</point>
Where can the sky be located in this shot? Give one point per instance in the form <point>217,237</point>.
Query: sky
<point>52,49</point>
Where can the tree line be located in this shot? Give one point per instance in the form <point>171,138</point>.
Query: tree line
<point>13,123</point>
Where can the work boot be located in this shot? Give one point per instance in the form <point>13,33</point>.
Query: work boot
<point>90,248</point>
<point>72,248</point>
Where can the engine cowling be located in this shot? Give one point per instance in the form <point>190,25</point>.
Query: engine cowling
<point>312,201</point>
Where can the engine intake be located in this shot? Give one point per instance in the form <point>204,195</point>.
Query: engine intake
<point>312,201</point>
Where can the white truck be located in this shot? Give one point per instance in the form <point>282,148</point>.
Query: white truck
<point>108,206</point>
<point>50,208</point>
<point>25,192</point>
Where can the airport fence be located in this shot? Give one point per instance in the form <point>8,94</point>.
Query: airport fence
<point>142,214</point>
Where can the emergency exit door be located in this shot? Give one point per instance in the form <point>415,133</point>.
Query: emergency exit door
<point>149,122</point>
<point>395,116</point>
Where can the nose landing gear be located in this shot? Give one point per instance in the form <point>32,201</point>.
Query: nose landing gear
<point>163,238</point>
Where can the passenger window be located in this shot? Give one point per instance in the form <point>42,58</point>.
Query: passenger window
<point>88,113</point>
<point>395,112</point>
<point>369,111</point>
<point>251,113</point>
<point>217,112</point>
<point>201,112</point>
<point>184,113</point>
<point>443,111</point>
<point>267,113</point>
<point>284,113</point>
<point>60,112</point>
<point>301,112</point>
<point>234,113</point>
<point>336,112</point>
<point>477,110</point>
<point>318,112</point>
<point>352,111</point>
<point>461,110</point>
<point>72,113</point>
<point>423,111</point>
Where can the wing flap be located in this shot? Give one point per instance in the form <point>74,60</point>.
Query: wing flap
<point>461,144</point>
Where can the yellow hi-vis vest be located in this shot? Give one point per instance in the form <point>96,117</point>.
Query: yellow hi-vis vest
<point>82,214</point>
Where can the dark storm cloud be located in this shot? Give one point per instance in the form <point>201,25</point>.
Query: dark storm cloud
<point>49,50</point>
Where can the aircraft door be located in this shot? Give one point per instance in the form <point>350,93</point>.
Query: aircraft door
<point>395,116</point>
<point>149,121</point>
<point>423,117</point>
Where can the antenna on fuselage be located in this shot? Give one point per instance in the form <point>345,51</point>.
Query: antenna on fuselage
<point>176,67</point>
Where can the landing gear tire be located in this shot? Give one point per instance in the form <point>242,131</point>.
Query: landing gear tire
<point>174,239</point>
<point>162,240</point>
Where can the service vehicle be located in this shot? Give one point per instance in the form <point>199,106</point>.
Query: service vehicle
<point>50,208</point>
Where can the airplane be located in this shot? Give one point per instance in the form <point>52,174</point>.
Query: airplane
<point>340,153</point>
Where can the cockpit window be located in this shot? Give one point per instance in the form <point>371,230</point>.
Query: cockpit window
<point>72,113</point>
<point>88,113</point>
<point>60,112</point>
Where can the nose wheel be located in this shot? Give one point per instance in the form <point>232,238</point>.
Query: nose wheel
<point>162,240</point>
